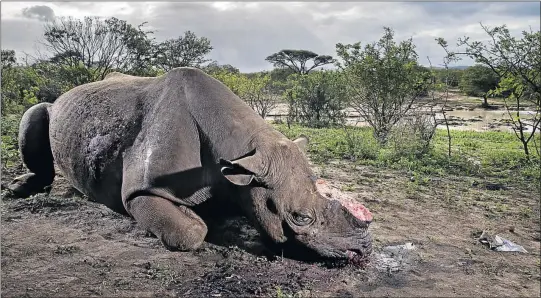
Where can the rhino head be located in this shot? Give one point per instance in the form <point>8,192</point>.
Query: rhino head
<point>278,193</point>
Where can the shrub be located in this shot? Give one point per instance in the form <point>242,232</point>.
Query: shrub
<point>413,135</point>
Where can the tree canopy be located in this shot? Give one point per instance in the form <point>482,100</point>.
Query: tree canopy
<point>187,50</point>
<point>478,80</point>
<point>383,80</point>
<point>299,61</point>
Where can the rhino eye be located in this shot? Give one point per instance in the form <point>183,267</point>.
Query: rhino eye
<point>302,219</point>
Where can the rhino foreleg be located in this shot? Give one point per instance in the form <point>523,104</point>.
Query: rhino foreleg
<point>178,227</point>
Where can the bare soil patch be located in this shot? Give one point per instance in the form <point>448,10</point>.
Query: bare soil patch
<point>60,244</point>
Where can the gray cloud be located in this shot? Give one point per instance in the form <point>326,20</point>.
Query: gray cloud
<point>245,34</point>
<point>240,37</point>
<point>20,35</point>
<point>40,12</point>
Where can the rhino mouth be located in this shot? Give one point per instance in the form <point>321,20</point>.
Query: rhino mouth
<point>357,258</point>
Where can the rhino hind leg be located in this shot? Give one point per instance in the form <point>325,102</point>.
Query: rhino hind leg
<point>35,150</point>
<point>178,227</point>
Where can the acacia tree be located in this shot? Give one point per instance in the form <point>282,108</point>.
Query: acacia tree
<point>187,50</point>
<point>478,80</point>
<point>383,80</point>
<point>517,64</point>
<point>299,61</point>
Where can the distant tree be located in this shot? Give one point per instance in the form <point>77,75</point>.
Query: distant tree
<point>281,74</point>
<point>187,50</point>
<point>317,99</point>
<point>478,80</point>
<point>19,85</point>
<point>259,95</point>
<point>214,67</point>
<point>299,61</point>
<point>59,78</point>
<point>255,90</point>
<point>424,80</point>
<point>383,80</point>
<point>142,53</point>
<point>448,76</point>
<point>8,58</point>
<point>99,45</point>
<point>236,82</point>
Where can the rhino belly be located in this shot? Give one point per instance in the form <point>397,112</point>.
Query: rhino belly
<point>94,167</point>
<point>90,156</point>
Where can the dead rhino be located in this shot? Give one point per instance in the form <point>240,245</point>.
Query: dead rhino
<point>158,148</point>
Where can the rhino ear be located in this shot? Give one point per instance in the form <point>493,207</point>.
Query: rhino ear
<point>302,141</point>
<point>242,171</point>
<point>237,175</point>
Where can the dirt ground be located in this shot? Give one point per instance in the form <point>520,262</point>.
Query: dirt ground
<point>59,244</point>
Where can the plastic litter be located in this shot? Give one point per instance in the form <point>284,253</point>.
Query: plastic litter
<point>498,243</point>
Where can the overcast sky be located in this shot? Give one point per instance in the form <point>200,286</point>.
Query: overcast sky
<point>244,33</point>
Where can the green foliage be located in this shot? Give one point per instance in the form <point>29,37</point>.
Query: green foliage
<point>335,143</point>
<point>383,80</point>
<point>256,90</point>
<point>24,86</point>
<point>188,50</point>
<point>20,87</point>
<point>413,136</point>
<point>9,145</point>
<point>259,94</point>
<point>496,155</point>
<point>215,68</point>
<point>296,60</point>
<point>424,78</point>
<point>316,99</point>
<point>8,58</point>
<point>478,80</point>
<point>75,43</point>
<point>517,64</point>
<point>451,77</point>
<point>234,81</point>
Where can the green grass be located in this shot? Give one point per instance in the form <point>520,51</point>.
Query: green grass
<point>496,155</point>
<point>9,145</point>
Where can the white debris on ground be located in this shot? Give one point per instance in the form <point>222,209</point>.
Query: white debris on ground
<point>394,258</point>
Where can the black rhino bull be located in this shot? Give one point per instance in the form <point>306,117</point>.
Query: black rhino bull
<point>159,148</point>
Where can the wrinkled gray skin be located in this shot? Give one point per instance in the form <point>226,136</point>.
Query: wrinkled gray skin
<point>157,148</point>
